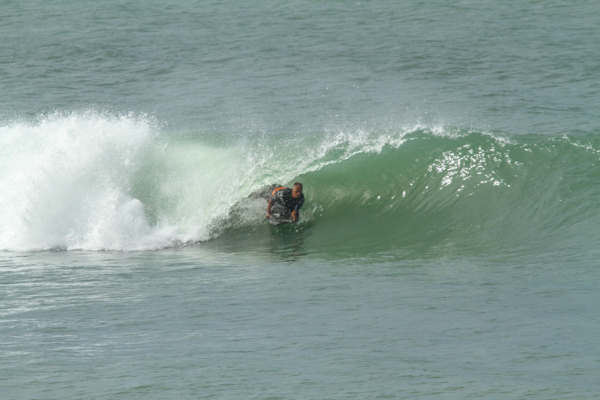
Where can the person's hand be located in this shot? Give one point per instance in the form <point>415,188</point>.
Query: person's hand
<point>268,216</point>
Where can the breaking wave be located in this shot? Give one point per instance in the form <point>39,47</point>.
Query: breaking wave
<point>99,182</point>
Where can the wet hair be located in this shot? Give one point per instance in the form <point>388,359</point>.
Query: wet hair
<point>297,184</point>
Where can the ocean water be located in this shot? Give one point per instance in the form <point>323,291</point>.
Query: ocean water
<point>447,248</point>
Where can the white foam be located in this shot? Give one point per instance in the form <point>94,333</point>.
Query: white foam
<point>65,182</point>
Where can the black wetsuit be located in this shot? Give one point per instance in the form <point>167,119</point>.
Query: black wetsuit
<point>283,204</point>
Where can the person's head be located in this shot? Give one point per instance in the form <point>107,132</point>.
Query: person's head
<point>297,190</point>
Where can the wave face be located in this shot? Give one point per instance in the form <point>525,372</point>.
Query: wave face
<point>462,191</point>
<point>99,182</point>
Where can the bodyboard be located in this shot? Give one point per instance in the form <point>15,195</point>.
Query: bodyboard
<point>279,221</point>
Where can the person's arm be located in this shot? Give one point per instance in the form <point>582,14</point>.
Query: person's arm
<point>296,212</point>
<point>269,209</point>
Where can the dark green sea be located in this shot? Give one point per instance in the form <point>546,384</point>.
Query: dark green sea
<point>447,247</point>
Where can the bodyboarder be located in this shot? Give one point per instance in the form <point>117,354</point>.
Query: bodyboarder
<point>285,203</point>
